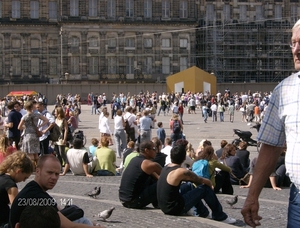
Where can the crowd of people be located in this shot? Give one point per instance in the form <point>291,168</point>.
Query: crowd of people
<point>148,160</point>
<point>27,125</point>
<point>199,174</point>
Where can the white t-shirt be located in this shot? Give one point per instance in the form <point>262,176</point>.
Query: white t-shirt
<point>76,158</point>
<point>167,150</point>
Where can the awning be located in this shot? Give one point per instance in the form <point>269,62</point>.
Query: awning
<point>21,93</point>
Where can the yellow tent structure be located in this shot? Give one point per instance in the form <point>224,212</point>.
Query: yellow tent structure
<point>192,79</point>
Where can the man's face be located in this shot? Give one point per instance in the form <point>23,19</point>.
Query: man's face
<point>40,108</point>
<point>296,49</point>
<point>151,152</point>
<point>17,107</point>
<point>47,176</point>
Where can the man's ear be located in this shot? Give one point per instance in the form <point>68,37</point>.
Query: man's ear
<point>17,225</point>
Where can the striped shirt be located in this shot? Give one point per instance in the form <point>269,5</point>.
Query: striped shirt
<point>281,124</point>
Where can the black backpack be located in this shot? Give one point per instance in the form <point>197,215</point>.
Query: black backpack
<point>176,127</point>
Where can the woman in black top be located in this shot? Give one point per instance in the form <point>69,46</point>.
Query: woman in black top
<point>15,168</point>
<point>230,159</point>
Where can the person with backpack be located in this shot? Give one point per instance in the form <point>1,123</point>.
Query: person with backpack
<point>176,128</point>
<point>208,166</point>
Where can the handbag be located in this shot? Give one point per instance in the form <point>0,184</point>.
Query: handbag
<point>242,181</point>
<point>245,180</point>
<point>72,212</point>
<point>69,134</point>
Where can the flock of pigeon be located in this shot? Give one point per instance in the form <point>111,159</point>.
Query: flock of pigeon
<point>104,214</point>
<point>107,213</point>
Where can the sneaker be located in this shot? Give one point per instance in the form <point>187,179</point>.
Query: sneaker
<point>229,220</point>
<point>191,212</point>
<point>209,215</point>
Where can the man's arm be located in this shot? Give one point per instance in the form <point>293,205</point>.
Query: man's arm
<point>151,168</point>
<point>266,162</point>
<point>85,169</point>
<point>188,175</point>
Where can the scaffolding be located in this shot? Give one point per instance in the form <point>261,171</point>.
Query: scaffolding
<point>245,51</point>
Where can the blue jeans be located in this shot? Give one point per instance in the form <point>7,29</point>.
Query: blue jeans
<point>120,139</point>
<point>294,208</point>
<point>205,115</point>
<point>84,220</point>
<point>193,197</point>
<point>175,137</point>
<point>103,172</point>
<point>222,116</point>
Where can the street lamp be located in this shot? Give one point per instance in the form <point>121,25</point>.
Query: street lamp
<point>61,51</point>
<point>10,74</point>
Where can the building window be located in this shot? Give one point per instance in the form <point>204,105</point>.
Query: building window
<point>35,66</point>
<point>259,13</point>
<point>183,63</point>
<point>16,66</point>
<point>1,65</point>
<point>210,12</point>
<point>130,42</point>
<point>129,65</point>
<point>294,13</point>
<point>34,9</point>
<point>147,8</point>
<point>226,12</point>
<point>278,12</point>
<point>147,43</point>
<point>34,43</point>
<point>93,65</point>
<point>74,8</point>
<point>53,10</point>
<point>16,43</point>
<point>183,8</point>
<point>165,43</point>
<point>15,9</point>
<point>74,41</point>
<point>52,66</point>
<point>183,43</point>
<point>93,8</point>
<point>112,42</point>
<point>165,9</point>
<point>74,65</point>
<point>129,8</point>
<point>53,43</point>
<point>111,8</point>
<point>0,9</point>
<point>112,65</point>
<point>148,65</point>
<point>166,65</point>
<point>243,13</point>
<point>93,42</point>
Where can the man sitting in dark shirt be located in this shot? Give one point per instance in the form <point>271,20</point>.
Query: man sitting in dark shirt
<point>138,183</point>
<point>177,198</point>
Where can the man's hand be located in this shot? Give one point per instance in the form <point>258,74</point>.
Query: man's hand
<point>207,182</point>
<point>250,212</point>
<point>89,175</point>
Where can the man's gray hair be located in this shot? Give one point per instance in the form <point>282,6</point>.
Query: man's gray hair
<point>296,25</point>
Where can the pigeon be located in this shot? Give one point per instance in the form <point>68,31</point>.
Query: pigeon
<point>95,192</point>
<point>232,201</point>
<point>106,213</point>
